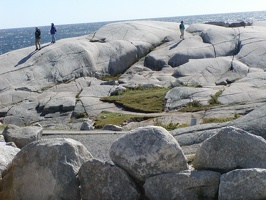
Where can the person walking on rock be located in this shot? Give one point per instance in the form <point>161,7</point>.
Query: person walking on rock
<point>37,38</point>
<point>182,30</point>
<point>53,31</point>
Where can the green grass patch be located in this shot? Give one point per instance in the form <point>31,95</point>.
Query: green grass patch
<point>149,100</point>
<point>117,118</point>
<point>219,120</point>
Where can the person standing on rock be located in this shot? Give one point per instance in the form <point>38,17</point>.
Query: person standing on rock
<point>37,38</point>
<point>182,29</point>
<point>53,31</point>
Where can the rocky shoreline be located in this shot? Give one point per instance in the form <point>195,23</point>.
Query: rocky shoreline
<point>51,87</point>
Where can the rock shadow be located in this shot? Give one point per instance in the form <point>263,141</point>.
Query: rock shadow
<point>23,60</point>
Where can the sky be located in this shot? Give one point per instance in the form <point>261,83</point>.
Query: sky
<point>29,13</point>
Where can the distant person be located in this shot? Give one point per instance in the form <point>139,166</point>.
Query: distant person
<point>37,38</point>
<point>182,30</point>
<point>53,31</point>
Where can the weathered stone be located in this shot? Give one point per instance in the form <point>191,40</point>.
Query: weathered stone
<point>112,127</point>
<point>229,149</point>
<point>45,169</point>
<point>102,180</point>
<point>22,136</point>
<point>181,96</point>
<point>8,152</point>
<point>254,122</point>
<point>87,125</point>
<point>183,185</point>
<point>148,151</point>
<point>248,184</point>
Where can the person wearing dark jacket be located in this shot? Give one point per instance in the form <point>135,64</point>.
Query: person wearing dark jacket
<point>37,38</point>
<point>53,31</point>
<point>182,29</point>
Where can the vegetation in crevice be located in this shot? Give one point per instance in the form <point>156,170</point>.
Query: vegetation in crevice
<point>140,99</point>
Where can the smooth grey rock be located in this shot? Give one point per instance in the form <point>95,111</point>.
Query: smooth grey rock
<point>209,72</point>
<point>45,169</point>
<point>185,185</point>
<point>225,41</point>
<point>181,96</point>
<point>112,127</point>
<point>229,149</point>
<point>248,184</point>
<point>7,154</point>
<point>248,89</point>
<point>254,122</point>
<point>102,180</point>
<point>22,136</point>
<point>148,151</point>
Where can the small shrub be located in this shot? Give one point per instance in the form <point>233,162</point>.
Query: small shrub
<point>214,98</point>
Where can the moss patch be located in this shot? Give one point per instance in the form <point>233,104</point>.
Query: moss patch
<point>149,100</point>
<point>117,118</point>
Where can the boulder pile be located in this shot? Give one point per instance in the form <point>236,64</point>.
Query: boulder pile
<point>148,163</point>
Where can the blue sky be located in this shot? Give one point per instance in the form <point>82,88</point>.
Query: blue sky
<point>29,13</point>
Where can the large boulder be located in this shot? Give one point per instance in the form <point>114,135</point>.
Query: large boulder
<point>8,152</point>
<point>22,136</point>
<point>183,185</point>
<point>148,151</point>
<point>102,180</point>
<point>45,169</point>
<point>248,184</point>
<point>231,148</point>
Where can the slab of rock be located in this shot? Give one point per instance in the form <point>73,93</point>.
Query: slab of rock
<point>181,96</point>
<point>183,185</point>
<point>148,151</point>
<point>22,136</point>
<point>248,184</point>
<point>45,169</point>
<point>210,72</point>
<point>248,89</point>
<point>102,180</point>
<point>229,149</point>
<point>253,122</point>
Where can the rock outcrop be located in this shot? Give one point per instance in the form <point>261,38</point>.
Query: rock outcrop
<point>63,80</point>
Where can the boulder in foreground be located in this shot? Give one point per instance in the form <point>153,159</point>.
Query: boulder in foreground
<point>45,169</point>
<point>148,151</point>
